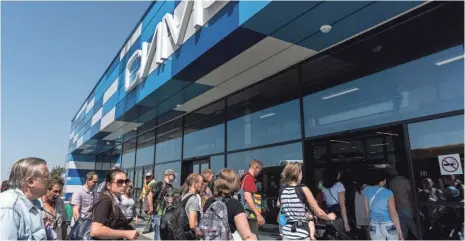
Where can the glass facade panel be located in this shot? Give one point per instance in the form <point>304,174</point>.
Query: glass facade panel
<point>204,131</point>
<point>161,168</point>
<point>129,154</point>
<point>272,156</point>
<point>265,113</point>
<point>217,163</point>
<point>169,142</point>
<point>145,149</point>
<point>439,194</point>
<point>419,88</point>
<point>275,124</point>
<point>204,142</point>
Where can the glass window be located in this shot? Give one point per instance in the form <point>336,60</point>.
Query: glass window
<point>265,113</point>
<point>204,131</point>
<point>419,88</point>
<point>434,138</point>
<point>217,163</point>
<point>275,124</point>
<point>116,155</point>
<point>272,156</point>
<point>438,191</point>
<point>129,154</point>
<point>169,142</point>
<point>138,178</point>
<point>145,149</point>
<point>161,168</point>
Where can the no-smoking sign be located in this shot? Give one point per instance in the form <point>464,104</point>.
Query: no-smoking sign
<point>450,164</point>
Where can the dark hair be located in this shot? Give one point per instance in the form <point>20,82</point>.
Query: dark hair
<point>90,175</point>
<point>5,186</point>
<point>109,179</point>
<point>378,176</point>
<point>330,177</point>
<point>52,182</point>
<point>111,175</point>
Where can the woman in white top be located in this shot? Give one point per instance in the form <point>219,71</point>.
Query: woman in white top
<point>334,195</point>
<point>128,204</point>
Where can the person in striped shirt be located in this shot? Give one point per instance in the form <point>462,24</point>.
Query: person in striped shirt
<point>295,201</point>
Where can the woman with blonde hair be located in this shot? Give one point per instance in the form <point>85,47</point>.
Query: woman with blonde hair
<point>295,201</point>
<point>225,186</point>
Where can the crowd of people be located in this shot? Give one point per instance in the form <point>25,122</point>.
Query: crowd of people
<point>204,208</point>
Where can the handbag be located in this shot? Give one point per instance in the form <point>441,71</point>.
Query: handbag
<point>51,234</point>
<point>282,218</point>
<point>81,230</point>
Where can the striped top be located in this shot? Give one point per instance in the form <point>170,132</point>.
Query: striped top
<point>401,188</point>
<point>294,210</point>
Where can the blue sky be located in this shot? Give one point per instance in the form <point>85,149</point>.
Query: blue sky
<point>53,53</point>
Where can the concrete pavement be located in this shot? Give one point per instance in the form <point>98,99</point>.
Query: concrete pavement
<point>268,232</point>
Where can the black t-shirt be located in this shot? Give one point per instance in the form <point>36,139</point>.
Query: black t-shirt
<point>105,215</point>
<point>234,208</point>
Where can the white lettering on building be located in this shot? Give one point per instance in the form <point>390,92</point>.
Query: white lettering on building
<point>169,34</point>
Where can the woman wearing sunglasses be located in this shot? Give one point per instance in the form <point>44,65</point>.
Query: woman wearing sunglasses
<point>109,221</point>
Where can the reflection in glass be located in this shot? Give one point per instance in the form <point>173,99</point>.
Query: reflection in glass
<point>217,163</point>
<point>169,142</point>
<point>275,124</point>
<point>161,168</point>
<point>204,130</point>
<point>204,141</point>
<point>414,89</point>
<point>272,156</point>
<point>129,154</point>
<point>439,193</point>
<point>145,149</point>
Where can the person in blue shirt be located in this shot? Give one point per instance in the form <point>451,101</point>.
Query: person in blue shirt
<point>381,208</point>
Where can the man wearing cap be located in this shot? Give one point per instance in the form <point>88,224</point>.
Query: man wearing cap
<point>157,201</point>
<point>149,180</point>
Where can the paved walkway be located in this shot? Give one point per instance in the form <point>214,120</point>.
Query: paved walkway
<point>268,232</point>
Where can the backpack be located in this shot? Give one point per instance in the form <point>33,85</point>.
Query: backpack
<point>175,223</point>
<point>255,197</point>
<point>214,223</point>
<point>159,192</point>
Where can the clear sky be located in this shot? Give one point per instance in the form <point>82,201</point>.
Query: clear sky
<point>53,53</point>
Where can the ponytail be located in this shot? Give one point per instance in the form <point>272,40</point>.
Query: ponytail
<point>190,180</point>
<point>184,188</point>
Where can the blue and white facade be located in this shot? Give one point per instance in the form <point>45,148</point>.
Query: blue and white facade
<point>215,83</point>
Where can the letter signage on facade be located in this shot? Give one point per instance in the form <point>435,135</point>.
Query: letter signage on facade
<point>168,35</point>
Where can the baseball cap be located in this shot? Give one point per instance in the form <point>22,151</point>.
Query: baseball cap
<point>170,172</point>
<point>148,174</point>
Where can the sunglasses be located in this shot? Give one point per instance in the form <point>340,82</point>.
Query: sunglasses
<point>120,182</point>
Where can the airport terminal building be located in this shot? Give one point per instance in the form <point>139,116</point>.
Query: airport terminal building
<point>337,84</point>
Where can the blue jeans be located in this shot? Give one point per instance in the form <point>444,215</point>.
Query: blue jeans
<point>407,222</point>
<point>383,231</point>
<point>156,226</point>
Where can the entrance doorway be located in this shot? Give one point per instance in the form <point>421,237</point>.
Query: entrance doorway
<point>355,154</point>
<point>194,166</point>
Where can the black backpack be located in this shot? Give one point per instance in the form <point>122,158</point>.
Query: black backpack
<point>175,223</point>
